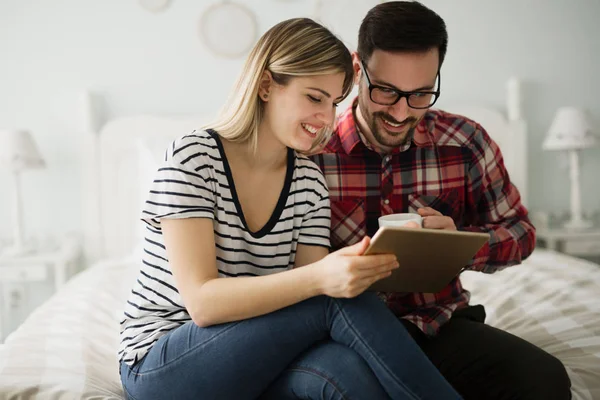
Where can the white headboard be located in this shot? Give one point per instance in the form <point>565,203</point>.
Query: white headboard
<point>112,201</point>
<point>511,136</point>
<point>508,129</point>
<point>111,181</point>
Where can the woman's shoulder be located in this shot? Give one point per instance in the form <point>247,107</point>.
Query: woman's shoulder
<point>307,170</point>
<point>197,147</point>
<point>195,140</point>
<point>307,166</point>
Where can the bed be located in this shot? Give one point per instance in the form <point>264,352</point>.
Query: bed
<point>66,349</point>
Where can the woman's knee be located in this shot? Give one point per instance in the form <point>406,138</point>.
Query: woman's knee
<point>332,368</point>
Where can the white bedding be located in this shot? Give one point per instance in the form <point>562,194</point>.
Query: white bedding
<point>67,348</point>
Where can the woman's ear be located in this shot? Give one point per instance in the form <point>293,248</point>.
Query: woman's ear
<point>264,87</point>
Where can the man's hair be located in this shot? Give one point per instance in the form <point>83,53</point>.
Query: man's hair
<point>402,26</point>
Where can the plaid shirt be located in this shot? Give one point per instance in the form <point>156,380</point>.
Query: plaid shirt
<point>451,165</point>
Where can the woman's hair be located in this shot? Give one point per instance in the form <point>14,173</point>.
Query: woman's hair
<point>293,48</point>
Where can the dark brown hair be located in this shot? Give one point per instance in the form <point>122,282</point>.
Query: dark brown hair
<point>402,26</point>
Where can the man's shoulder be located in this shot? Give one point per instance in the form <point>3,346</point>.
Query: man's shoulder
<point>334,145</point>
<point>448,129</point>
<point>330,153</point>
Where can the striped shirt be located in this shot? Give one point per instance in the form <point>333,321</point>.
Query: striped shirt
<point>451,165</point>
<point>195,181</point>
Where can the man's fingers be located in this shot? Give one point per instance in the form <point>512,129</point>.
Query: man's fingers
<point>428,211</point>
<point>435,222</point>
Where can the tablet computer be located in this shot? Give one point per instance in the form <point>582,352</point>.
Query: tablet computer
<point>429,258</point>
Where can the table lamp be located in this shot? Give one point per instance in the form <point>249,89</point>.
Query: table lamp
<point>18,152</point>
<point>571,132</point>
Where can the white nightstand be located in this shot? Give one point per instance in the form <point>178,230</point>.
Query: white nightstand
<point>584,244</point>
<point>53,265</point>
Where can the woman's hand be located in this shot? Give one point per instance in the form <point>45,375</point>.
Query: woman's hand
<point>348,273</point>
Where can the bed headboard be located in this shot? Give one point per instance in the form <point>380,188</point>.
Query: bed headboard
<point>117,153</point>
<point>112,180</point>
<point>509,134</point>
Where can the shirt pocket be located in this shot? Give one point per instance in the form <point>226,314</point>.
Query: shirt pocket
<point>348,222</point>
<point>449,202</point>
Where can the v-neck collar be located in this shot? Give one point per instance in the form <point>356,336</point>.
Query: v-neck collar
<point>276,215</point>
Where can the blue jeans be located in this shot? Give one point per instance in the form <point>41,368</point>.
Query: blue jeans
<point>291,353</point>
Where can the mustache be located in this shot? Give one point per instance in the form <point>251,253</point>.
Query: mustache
<point>393,120</point>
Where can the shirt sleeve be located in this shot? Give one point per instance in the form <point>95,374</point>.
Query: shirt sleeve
<point>497,210</point>
<point>316,222</point>
<point>184,185</point>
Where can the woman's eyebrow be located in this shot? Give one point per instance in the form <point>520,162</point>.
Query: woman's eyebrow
<point>323,91</point>
<point>320,90</point>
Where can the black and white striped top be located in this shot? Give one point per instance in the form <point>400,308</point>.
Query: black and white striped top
<point>195,181</point>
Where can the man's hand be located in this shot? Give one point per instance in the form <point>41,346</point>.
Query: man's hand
<point>433,219</point>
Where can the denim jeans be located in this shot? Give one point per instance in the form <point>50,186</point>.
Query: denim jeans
<point>278,355</point>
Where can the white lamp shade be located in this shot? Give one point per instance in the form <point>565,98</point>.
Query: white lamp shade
<point>18,151</point>
<point>570,130</point>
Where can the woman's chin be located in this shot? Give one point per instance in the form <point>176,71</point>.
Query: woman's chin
<point>302,145</point>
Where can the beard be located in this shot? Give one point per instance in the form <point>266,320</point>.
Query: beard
<point>383,136</point>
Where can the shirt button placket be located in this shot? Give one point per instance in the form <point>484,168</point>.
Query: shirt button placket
<point>387,184</point>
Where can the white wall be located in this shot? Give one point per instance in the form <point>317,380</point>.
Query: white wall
<point>144,62</point>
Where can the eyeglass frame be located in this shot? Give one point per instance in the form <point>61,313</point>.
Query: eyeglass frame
<point>401,93</point>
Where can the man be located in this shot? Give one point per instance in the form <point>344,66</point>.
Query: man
<point>392,153</point>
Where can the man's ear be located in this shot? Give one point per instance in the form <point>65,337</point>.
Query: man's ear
<point>264,87</point>
<point>357,67</point>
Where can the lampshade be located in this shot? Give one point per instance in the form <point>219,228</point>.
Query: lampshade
<point>570,130</point>
<point>18,151</point>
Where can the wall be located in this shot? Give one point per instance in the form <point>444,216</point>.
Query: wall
<point>144,62</point>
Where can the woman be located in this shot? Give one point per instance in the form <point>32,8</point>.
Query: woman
<point>221,308</point>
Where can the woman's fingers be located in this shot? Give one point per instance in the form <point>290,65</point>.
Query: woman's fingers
<point>377,270</point>
<point>365,283</point>
<point>373,261</point>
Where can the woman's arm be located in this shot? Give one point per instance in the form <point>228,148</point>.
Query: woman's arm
<point>211,300</point>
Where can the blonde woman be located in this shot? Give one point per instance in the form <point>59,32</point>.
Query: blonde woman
<point>237,296</point>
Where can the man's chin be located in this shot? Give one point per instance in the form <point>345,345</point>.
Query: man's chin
<point>388,143</point>
<point>392,139</point>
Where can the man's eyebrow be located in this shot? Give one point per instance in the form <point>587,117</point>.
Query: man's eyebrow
<point>323,91</point>
<point>384,83</point>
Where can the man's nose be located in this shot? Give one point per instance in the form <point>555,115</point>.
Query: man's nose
<point>400,111</point>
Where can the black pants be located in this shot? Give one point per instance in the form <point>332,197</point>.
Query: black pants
<point>485,363</point>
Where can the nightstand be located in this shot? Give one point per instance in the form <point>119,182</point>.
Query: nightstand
<point>584,243</point>
<point>48,268</point>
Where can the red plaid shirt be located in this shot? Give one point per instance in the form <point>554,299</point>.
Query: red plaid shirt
<point>451,165</point>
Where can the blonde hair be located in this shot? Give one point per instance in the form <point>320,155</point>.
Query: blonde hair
<point>292,48</point>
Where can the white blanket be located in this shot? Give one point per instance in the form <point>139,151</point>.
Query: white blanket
<point>67,348</point>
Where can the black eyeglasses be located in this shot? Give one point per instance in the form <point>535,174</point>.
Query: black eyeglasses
<point>387,96</point>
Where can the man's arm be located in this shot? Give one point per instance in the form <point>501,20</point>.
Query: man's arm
<point>494,206</point>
